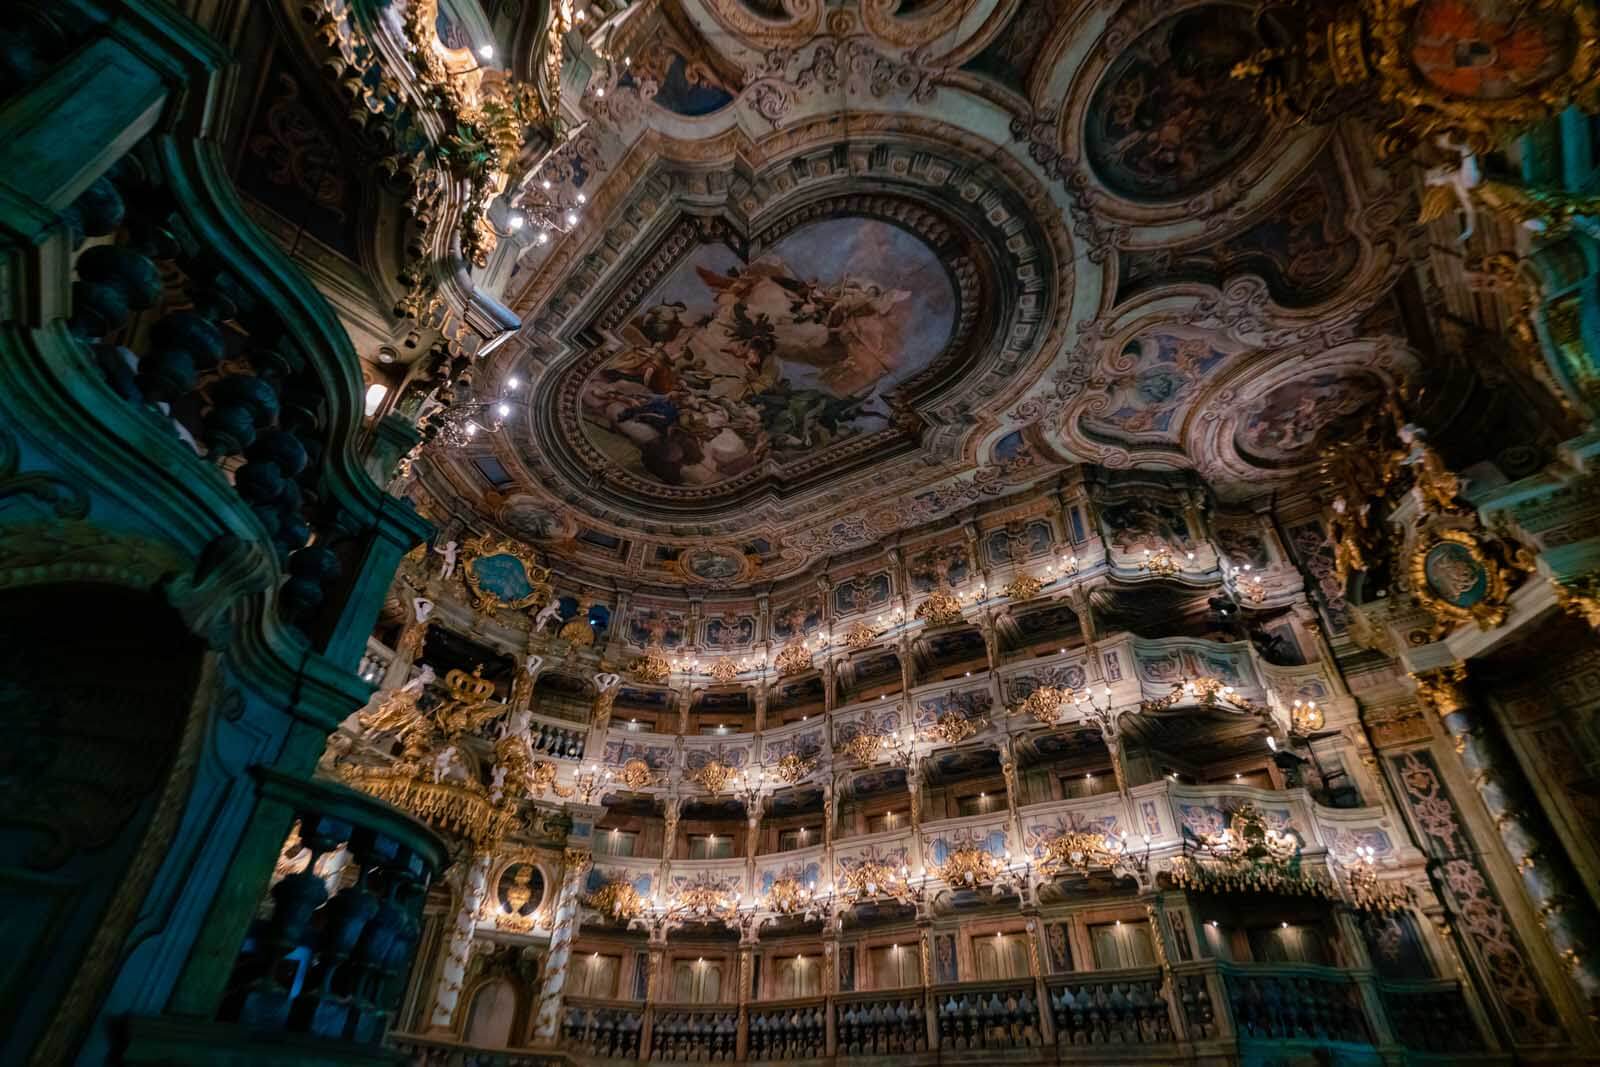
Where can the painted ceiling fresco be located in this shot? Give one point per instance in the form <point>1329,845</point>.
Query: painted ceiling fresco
<point>848,270</point>
<point>733,364</point>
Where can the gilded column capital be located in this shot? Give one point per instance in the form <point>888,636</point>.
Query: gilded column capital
<point>1442,688</point>
<point>575,861</point>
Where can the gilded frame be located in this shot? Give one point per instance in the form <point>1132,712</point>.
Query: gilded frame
<point>1488,612</point>
<point>483,547</point>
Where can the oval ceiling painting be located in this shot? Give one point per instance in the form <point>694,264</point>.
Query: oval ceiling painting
<point>1489,49</point>
<point>1292,422</point>
<point>1169,118</point>
<point>734,364</point>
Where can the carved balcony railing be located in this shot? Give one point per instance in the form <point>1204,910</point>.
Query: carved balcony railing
<point>698,1034</point>
<point>1110,1008</point>
<point>553,738</point>
<point>987,1015</point>
<point>334,965</point>
<point>880,1024</point>
<point>1291,1001</point>
<point>602,1029</point>
<point>789,1029</point>
<point>1430,1016</point>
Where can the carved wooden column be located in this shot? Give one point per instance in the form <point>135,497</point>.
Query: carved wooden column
<point>747,947</point>
<point>1008,770</point>
<point>1566,916</point>
<point>453,969</point>
<point>761,706</point>
<point>564,930</point>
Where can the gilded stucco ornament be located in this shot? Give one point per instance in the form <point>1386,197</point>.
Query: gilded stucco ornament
<point>652,668</point>
<point>1395,62</point>
<point>793,658</point>
<point>504,574</point>
<point>617,899</point>
<point>969,867</point>
<point>942,608</point>
<point>1580,596</point>
<point>954,727</point>
<point>1458,576</point>
<point>636,774</point>
<point>1025,587</point>
<point>796,767</point>
<point>713,776</point>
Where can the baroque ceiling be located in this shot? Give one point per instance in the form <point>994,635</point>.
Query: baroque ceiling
<point>842,270</point>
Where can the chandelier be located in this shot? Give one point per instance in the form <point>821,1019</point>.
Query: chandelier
<point>1163,564</point>
<point>1368,892</point>
<point>1305,717</point>
<point>455,425</point>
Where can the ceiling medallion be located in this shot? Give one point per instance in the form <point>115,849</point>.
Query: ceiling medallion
<point>617,899</point>
<point>652,668</point>
<point>1400,61</point>
<point>940,609</point>
<point>723,671</point>
<point>795,767</point>
<point>793,658</point>
<point>714,776</point>
<point>954,727</point>
<point>1025,587</point>
<point>636,774</point>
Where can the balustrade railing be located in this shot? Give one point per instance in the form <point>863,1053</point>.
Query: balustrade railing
<point>988,1015</point>
<point>1430,1016</point>
<point>556,739</point>
<point>986,1021</point>
<point>880,1024</point>
<point>601,1028</point>
<point>426,1052</point>
<point>683,1034</point>
<point>1116,1008</point>
<point>789,1029</point>
<point>327,964</point>
<point>1295,1001</point>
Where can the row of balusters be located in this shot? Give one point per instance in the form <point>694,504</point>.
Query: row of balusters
<point>217,370</point>
<point>1132,1012</point>
<point>1272,1006</point>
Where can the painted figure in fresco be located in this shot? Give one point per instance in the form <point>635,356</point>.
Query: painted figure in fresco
<point>777,358</point>
<point>448,551</point>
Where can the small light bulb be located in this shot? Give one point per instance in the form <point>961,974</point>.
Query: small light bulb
<point>545,183</point>
<point>600,93</point>
<point>513,383</point>
<point>486,52</point>
<point>544,237</point>
<point>503,410</point>
<point>517,221</point>
<point>572,218</point>
<point>582,199</point>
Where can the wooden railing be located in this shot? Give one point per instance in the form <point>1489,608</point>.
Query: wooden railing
<point>1062,1018</point>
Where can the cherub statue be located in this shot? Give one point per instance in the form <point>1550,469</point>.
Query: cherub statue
<point>497,784</point>
<point>551,611</point>
<point>448,550</point>
<point>1450,186</point>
